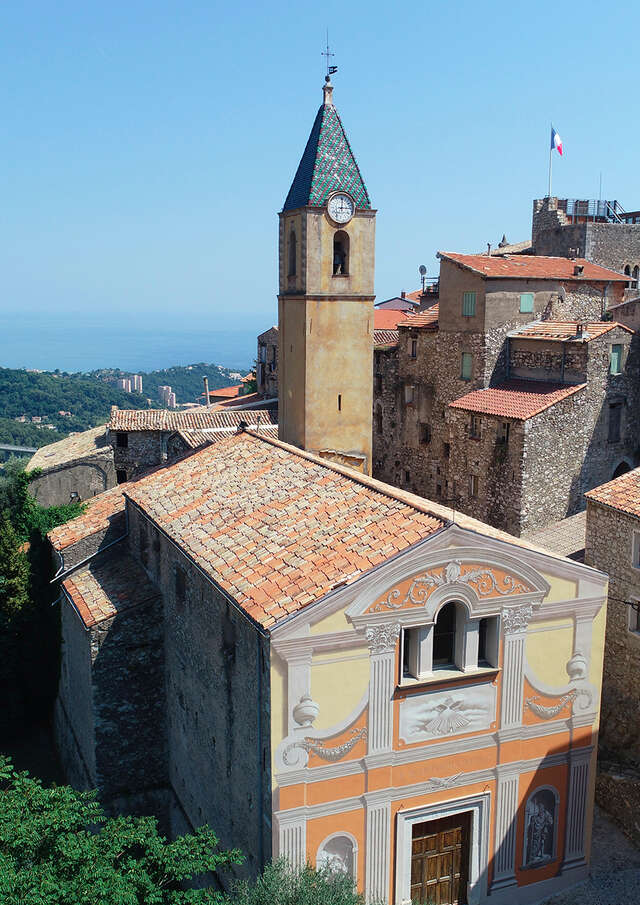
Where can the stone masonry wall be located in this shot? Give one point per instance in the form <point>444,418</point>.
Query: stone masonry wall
<point>73,715</point>
<point>75,481</point>
<point>497,465</point>
<point>218,693</point>
<point>609,548</point>
<point>144,450</point>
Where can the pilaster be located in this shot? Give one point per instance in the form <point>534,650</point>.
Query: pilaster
<point>382,640</point>
<point>378,848</point>
<point>506,827</point>
<point>579,765</point>
<point>514,624</point>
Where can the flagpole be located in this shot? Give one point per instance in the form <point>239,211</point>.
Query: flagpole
<point>550,162</point>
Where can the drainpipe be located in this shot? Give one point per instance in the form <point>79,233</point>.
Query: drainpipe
<point>207,402</point>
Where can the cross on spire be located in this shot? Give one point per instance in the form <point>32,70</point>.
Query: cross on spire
<point>328,54</point>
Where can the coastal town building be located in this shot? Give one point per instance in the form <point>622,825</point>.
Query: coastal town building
<point>470,402</point>
<point>323,667</point>
<point>613,546</point>
<point>74,469</point>
<point>267,364</point>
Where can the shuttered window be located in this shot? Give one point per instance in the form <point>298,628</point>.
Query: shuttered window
<point>615,359</point>
<point>465,366</point>
<point>526,302</point>
<point>468,304</point>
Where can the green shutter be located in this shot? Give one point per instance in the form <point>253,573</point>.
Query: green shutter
<point>526,302</point>
<point>468,304</point>
<point>465,370</point>
<point>616,359</point>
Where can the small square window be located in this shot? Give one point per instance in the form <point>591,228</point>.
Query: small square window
<point>425,432</point>
<point>503,432</point>
<point>121,476</point>
<point>474,427</point>
<point>122,440</point>
<point>466,365</point>
<point>473,485</point>
<point>414,348</point>
<point>635,550</point>
<point>615,359</point>
<point>634,616</point>
<point>526,302</point>
<point>446,450</point>
<point>468,304</point>
<point>409,393</point>
<point>407,476</point>
<point>615,420</point>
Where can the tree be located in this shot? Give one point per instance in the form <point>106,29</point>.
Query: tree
<point>279,885</point>
<point>14,573</point>
<point>57,847</point>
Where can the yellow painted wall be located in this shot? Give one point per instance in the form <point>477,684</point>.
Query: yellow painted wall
<point>338,682</point>
<point>336,622</point>
<point>548,652</point>
<point>561,589</point>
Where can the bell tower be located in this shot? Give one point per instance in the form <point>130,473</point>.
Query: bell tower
<point>325,302</point>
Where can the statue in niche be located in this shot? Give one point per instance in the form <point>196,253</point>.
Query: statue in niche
<point>540,820</point>
<point>337,855</point>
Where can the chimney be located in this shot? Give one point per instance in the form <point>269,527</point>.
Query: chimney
<point>403,293</point>
<point>573,253</point>
<point>578,269</point>
<point>207,401</point>
<point>582,331</point>
<point>488,248</point>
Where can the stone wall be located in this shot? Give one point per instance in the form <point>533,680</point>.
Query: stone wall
<point>83,549</point>
<point>74,724</point>
<point>267,363</point>
<point>551,361</point>
<point>628,314</point>
<point>144,449</point>
<point>218,692</point>
<point>75,481</point>
<point>609,548</point>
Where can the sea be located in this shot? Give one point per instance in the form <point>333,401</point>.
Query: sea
<point>83,343</point>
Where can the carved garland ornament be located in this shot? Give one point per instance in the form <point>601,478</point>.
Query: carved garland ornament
<point>483,580</point>
<point>316,747</point>
<point>548,712</point>
<point>437,783</point>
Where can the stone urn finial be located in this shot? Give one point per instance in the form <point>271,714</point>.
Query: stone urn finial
<point>305,711</point>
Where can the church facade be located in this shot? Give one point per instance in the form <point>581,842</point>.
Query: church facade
<point>262,637</point>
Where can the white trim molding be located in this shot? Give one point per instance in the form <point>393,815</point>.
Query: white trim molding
<point>479,808</point>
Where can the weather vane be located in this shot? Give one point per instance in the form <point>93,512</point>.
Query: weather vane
<point>327,53</point>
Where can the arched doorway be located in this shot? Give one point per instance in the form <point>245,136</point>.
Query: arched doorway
<point>622,468</point>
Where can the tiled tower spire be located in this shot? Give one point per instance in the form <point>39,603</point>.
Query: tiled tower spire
<point>328,164</point>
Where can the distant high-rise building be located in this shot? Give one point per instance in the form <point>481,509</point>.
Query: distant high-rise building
<point>171,400</point>
<point>137,383</point>
<point>124,383</point>
<point>163,393</point>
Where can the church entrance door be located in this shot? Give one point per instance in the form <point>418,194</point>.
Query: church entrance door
<point>440,861</point>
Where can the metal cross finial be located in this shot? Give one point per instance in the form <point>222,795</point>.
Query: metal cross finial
<point>327,53</point>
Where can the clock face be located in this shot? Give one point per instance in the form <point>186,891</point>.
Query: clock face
<point>341,208</point>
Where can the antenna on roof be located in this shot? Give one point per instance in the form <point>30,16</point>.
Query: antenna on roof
<point>327,53</point>
<point>422,270</point>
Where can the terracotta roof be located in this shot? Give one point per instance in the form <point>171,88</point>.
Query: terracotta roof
<point>327,166</point>
<point>71,449</point>
<point>513,248</point>
<point>225,392</point>
<point>111,583</point>
<point>388,318</point>
<point>414,296</point>
<point>197,438</point>
<point>427,319</point>
<point>566,331</point>
<point>274,527</point>
<point>195,419</point>
<point>622,493</point>
<point>535,267</point>
<point>239,401</point>
<point>518,399</point>
<point>96,517</point>
<point>385,337</point>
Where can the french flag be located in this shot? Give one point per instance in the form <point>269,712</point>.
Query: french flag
<point>556,141</point>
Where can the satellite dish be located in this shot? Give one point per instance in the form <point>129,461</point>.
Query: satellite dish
<point>422,270</point>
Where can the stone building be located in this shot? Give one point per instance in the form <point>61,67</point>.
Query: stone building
<point>143,438</point>
<point>503,322</point>
<point>74,469</point>
<point>267,366</point>
<point>322,666</point>
<point>613,545</point>
<point>596,230</point>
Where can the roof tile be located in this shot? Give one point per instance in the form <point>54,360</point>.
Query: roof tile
<point>622,493</point>
<point>533,267</point>
<point>518,399</point>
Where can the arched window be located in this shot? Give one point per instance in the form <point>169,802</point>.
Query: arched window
<point>627,272</point>
<point>636,277</point>
<point>622,468</point>
<point>292,254</point>
<point>340,253</point>
<point>444,636</point>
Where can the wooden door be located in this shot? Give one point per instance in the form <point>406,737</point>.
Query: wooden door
<point>440,861</point>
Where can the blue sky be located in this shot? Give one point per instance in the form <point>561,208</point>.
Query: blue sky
<point>147,146</point>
